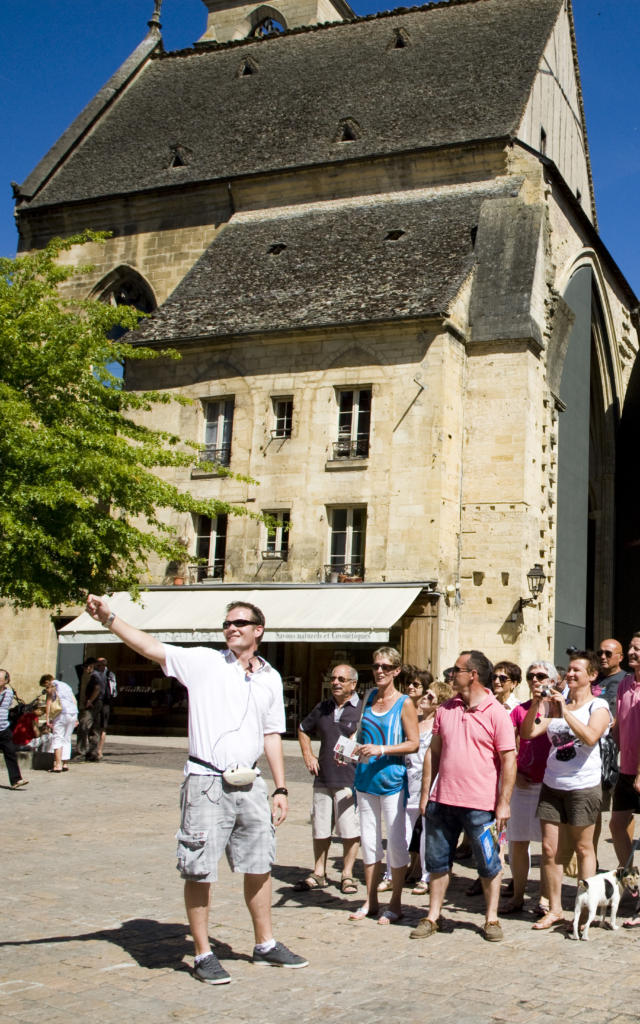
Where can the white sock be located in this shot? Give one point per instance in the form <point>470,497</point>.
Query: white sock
<point>202,956</point>
<point>265,947</point>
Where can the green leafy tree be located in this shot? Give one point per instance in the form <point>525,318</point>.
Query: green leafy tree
<point>80,499</point>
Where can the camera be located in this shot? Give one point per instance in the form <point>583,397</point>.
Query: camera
<point>571,650</point>
<point>545,691</point>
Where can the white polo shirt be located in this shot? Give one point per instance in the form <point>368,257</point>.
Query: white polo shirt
<point>230,710</point>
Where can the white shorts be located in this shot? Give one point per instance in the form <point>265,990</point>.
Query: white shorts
<point>334,809</point>
<point>523,826</point>
<point>372,809</point>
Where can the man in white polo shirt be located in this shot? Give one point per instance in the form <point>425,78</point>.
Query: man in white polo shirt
<point>236,712</point>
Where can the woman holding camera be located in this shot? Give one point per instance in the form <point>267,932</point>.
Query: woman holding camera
<point>388,732</point>
<point>571,789</point>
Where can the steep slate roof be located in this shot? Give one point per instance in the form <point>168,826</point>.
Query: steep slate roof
<point>464,75</point>
<point>310,266</point>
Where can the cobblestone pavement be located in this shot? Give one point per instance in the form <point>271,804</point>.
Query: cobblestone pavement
<point>93,924</point>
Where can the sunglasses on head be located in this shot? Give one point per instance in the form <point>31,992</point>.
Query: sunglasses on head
<point>239,623</point>
<point>537,677</point>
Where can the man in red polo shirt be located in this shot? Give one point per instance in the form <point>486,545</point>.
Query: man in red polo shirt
<point>626,732</point>
<point>473,756</point>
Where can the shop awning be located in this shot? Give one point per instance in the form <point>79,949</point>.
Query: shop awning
<point>303,614</point>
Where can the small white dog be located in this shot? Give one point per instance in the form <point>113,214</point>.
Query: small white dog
<point>602,890</point>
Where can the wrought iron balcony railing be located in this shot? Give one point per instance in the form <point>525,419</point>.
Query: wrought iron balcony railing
<point>344,572</point>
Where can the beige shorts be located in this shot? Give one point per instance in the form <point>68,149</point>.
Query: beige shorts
<point>333,812</point>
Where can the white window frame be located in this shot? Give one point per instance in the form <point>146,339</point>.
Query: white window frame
<point>354,442</point>
<point>216,537</point>
<point>283,422</point>
<point>218,429</point>
<point>277,542</point>
<point>353,561</point>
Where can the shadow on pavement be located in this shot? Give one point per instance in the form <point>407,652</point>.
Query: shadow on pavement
<point>152,944</point>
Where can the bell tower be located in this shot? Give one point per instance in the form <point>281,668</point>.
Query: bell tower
<point>240,19</point>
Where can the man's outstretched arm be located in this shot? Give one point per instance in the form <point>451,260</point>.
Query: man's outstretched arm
<point>144,644</point>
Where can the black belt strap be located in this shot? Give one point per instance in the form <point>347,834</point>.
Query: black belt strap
<point>207,764</point>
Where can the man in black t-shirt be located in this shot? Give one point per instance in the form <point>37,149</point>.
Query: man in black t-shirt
<point>333,798</point>
<point>610,655</point>
<point>101,689</point>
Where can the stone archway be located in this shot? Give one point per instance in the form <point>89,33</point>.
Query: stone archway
<point>588,420</point>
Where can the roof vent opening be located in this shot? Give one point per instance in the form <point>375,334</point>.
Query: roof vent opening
<point>180,156</point>
<point>473,234</point>
<point>400,40</point>
<point>276,248</point>
<point>348,130</point>
<point>247,67</point>
<point>394,235</point>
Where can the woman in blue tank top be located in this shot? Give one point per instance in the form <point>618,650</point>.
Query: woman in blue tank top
<point>388,732</point>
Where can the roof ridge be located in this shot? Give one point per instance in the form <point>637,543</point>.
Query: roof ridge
<point>212,45</point>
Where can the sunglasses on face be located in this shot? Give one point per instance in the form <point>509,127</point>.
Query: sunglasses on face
<point>239,623</point>
<point>605,654</point>
<point>498,677</point>
<point>382,667</point>
<point>339,679</point>
<point>536,677</point>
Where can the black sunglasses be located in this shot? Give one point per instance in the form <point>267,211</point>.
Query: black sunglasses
<point>239,623</point>
<point>537,676</point>
<point>340,679</point>
<point>498,676</point>
<point>383,667</point>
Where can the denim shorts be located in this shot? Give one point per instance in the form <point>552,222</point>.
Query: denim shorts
<point>443,825</point>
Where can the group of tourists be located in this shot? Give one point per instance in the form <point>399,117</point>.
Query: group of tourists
<point>46,724</point>
<point>461,756</point>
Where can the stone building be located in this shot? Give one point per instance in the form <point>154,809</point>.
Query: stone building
<point>374,242</point>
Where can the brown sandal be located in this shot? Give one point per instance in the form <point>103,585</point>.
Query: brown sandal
<point>311,883</point>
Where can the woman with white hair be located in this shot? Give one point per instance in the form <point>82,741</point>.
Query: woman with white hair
<point>523,826</point>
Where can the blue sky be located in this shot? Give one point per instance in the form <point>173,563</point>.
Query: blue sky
<point>56,54</point>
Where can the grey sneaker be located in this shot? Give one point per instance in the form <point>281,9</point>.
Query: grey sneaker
<point>279,956</point>
<point>211,971</point>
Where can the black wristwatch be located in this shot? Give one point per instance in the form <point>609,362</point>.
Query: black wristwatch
<point>281,790</point>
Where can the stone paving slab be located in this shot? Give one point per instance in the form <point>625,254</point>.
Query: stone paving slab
<point>93,926</point>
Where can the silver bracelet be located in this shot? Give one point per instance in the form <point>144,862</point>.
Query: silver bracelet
<point>109,620</point>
